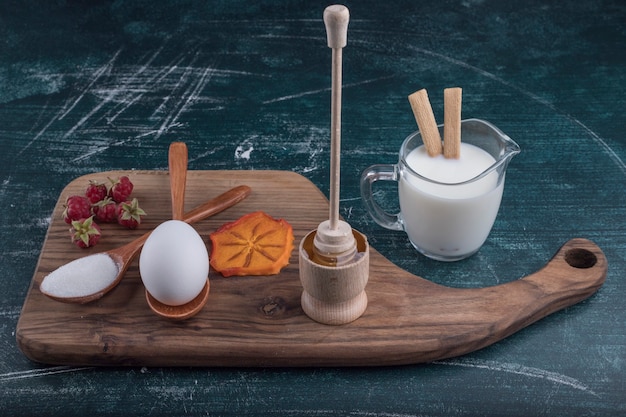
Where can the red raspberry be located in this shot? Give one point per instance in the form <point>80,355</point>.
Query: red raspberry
<point>129,214</point>
<point>96,191</point>
<point>105,211</point>
<point>76,207</point>
<point>85,232</point>
<point>120,189</point>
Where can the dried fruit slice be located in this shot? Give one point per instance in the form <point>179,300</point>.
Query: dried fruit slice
<point>256,244</point>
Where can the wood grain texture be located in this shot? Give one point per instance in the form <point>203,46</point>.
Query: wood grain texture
<point>258,321</point>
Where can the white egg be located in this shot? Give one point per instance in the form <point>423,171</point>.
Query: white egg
<point>174,263</point>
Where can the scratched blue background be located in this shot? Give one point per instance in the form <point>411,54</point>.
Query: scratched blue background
<point>89,86</point>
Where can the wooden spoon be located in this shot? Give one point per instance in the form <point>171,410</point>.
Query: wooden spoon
<point>178,158</point>
<point>124,255</point>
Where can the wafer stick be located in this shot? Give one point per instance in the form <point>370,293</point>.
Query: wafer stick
<point>452,122</point>
<point>426,123</point>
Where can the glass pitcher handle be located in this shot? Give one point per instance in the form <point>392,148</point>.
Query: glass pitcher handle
<point>370,175</point>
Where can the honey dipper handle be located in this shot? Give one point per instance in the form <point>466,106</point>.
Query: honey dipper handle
<point>336,19</point>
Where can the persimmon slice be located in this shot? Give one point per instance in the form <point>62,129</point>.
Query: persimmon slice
<point>255,244</point>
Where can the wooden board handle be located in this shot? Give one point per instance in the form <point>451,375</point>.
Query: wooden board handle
<point>576,271</point>
<point>465,320</point>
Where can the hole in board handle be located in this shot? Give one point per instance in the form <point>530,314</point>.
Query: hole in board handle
<point>580,258</point>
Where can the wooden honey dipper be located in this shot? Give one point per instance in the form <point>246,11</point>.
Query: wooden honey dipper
<point>334,258</point>
<point>334,241</point>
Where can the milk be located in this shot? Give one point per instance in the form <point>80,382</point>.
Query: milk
<point>448,220</point>
<point>447,206</point>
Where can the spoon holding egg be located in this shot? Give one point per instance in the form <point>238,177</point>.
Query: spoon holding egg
<point>174,262</point>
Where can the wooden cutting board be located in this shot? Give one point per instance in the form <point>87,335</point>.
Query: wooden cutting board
<point>258,321</point>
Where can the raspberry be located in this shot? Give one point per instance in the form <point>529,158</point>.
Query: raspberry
<point>120,189</point>
<point>85,232</point>
<point>96,191</point>
<point>129,214</point>
<point>76,207</point>
<point>105,211</point>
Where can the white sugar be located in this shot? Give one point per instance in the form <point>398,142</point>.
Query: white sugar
<point>84,276</point>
